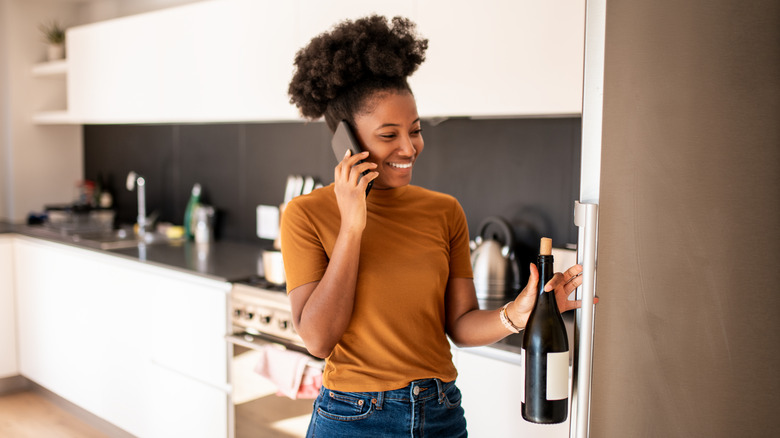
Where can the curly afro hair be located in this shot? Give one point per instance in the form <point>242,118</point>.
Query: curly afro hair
<point>338,71</point>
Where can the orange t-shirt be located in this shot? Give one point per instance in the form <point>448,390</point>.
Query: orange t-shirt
<point>415,240</point>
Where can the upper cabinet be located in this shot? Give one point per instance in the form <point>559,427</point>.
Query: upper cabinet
<point>210,61</point>
<point>491,58</point>
<point>317,16</point>
<point>232,60</point>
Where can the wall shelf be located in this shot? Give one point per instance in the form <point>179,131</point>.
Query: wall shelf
<point>51,68</point>
<point>55,70</point>
<point>62,117</point>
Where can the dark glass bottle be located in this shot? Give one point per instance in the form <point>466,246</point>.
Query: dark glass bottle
<point>545,353</point>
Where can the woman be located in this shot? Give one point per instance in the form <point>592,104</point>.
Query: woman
<point>378,282</point>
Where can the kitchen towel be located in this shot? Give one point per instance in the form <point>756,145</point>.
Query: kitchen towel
<point>247,385</point>
<point>286,369</point>
<point>311,383</point>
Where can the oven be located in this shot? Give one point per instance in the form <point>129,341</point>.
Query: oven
<point>262,333</point>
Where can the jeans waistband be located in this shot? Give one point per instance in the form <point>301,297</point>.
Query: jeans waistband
<point>417,391</point>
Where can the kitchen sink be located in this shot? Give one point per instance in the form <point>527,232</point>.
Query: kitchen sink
<point>117,239</point>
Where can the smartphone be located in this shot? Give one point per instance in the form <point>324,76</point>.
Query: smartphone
<point>344,140</point>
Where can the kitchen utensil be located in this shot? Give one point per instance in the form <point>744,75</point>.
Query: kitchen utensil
<point>288,189</point>
<point>308,185</point>
<point>298,186</point>
<point>72,218</point>
<point>496,272</point>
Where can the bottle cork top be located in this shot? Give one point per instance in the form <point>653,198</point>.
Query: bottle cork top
<point>545,248</point>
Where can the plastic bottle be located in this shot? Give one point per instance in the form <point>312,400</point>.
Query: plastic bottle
<point>189,230</point>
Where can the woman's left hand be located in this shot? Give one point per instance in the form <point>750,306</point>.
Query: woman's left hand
<point>563,284</point>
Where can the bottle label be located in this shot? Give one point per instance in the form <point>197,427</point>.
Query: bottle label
<point>558,375</point>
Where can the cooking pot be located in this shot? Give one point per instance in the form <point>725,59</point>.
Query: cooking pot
<point>496,271</point>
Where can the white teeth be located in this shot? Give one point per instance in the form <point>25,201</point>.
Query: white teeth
<point>401,166</point>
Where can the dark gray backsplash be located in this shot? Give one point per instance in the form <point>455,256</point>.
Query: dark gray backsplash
<point>524,170</point>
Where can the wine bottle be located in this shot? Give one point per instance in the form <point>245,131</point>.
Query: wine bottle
<point>545,353</point>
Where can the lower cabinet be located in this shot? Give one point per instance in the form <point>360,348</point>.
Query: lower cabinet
<point>8,364</point>
<point>139,346</point>
<point>491,398</point>
<point>182,407</point>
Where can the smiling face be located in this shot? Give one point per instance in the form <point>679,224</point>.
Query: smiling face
<point>390,131</point>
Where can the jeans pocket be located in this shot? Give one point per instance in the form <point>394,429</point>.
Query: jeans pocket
<point>345,406</point>
<point>452,397</point>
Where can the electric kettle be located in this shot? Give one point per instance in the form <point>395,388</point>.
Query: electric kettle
<point>496,271</point>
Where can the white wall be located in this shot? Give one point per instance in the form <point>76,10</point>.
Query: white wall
<point>40,164</point>
<point>5,130</point>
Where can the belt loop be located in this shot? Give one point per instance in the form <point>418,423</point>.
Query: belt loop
<point>379,400</point>
<point>440,389</point>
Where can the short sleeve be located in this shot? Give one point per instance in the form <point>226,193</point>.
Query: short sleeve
<point>305,259</point>
<point>460,254</point>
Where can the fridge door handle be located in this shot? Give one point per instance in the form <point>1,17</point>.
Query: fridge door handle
<point>586,219</point>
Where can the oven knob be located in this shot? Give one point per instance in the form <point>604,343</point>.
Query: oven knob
<point>237,313</point>
<point>265,319</point>
<point>283,324</point>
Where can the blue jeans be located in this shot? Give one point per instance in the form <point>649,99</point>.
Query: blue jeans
<point>425,408</point>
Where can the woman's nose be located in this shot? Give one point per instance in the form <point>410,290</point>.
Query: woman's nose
<point>407,147</point>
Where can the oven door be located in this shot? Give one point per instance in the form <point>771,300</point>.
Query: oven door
<point>255,408</point>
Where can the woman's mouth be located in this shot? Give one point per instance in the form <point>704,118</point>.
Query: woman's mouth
<point>401,165</point>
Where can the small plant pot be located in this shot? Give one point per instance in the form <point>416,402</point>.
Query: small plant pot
<point>55,52</point>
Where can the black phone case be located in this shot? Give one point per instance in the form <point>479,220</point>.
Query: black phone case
<point>343,140</point>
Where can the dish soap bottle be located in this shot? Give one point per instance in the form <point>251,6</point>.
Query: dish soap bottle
<point>192,204</point>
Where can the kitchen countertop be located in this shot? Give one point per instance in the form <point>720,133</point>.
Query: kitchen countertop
<point>220,260</point>
<point>228,261</point>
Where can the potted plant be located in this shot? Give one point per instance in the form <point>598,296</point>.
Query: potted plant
<point>54,34</point>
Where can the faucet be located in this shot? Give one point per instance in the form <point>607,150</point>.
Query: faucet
<point>133,180</point>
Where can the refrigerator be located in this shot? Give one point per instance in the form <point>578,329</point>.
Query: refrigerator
<point>679,221</point>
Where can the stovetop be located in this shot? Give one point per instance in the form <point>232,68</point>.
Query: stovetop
<point>261,283</point>
<point>259,307</point>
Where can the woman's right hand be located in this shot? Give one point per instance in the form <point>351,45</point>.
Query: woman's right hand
<point>351,189</point>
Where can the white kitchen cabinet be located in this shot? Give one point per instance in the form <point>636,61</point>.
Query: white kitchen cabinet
<point>70,313</point>
<point>232,60</point>
<point>189,320</point>
<point>181,407</point>
<point>209,61</point>
<point>491,396</point>
<point>93,329</point>
<point>8,364</point>
<point>501,58</point>
<point>315,17</point>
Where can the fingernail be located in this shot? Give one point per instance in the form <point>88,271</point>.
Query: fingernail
<point>346,154</point>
